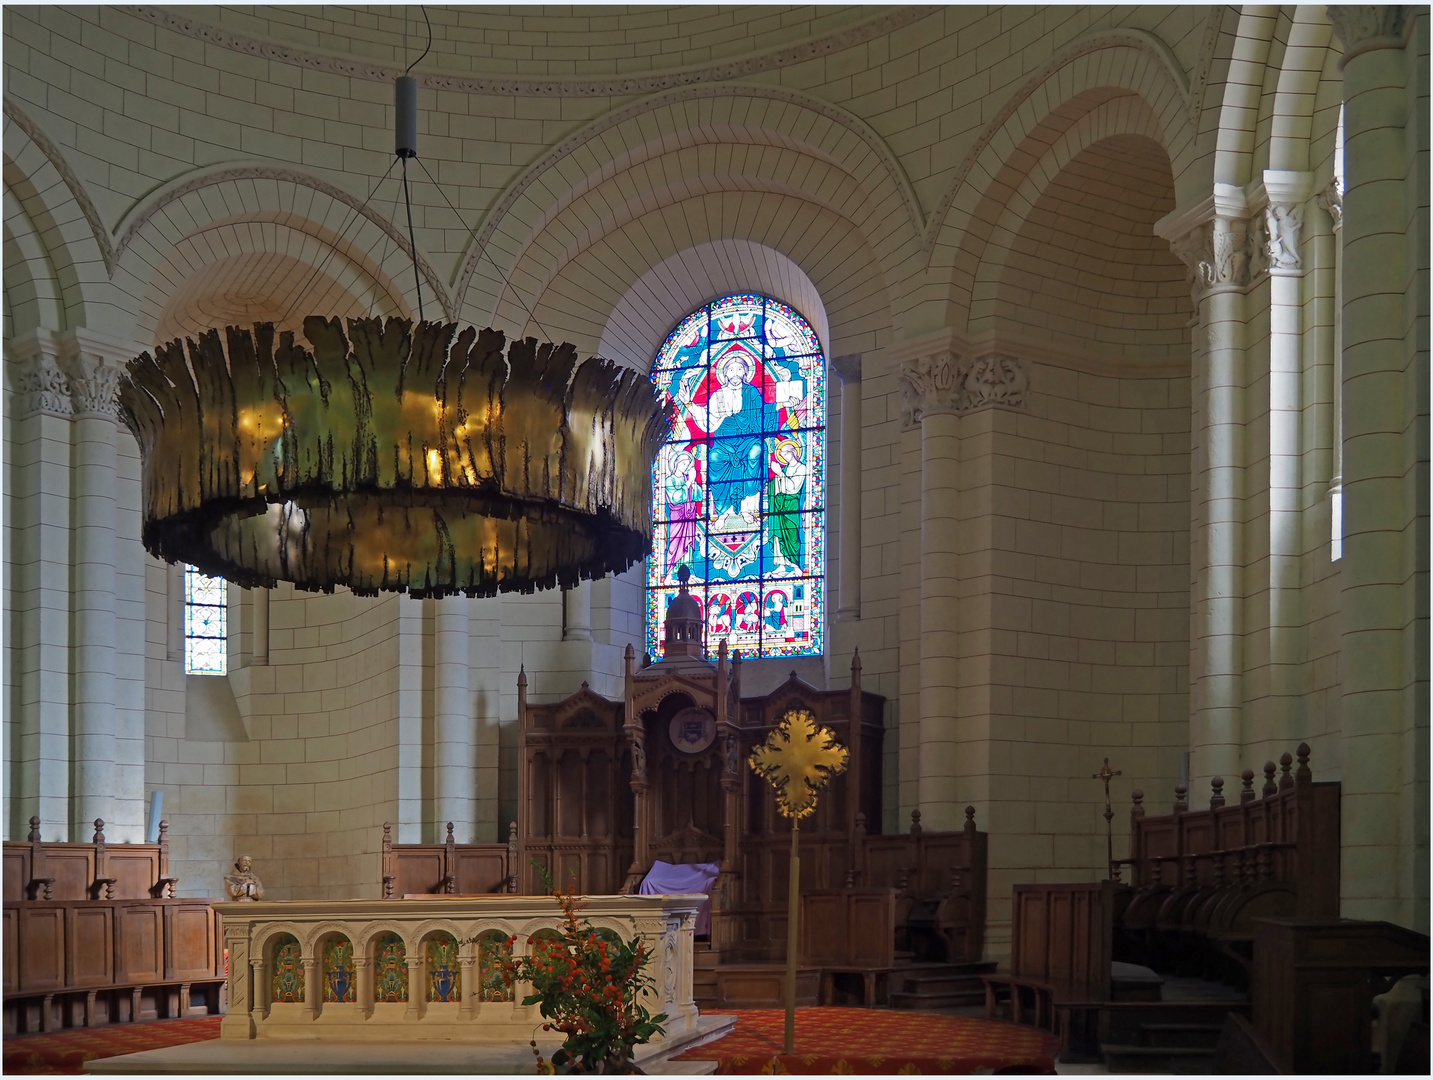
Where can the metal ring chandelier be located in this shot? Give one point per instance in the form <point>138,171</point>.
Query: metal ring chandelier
<point>392,458</point>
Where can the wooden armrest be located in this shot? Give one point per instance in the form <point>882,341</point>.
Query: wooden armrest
<point>164,888</point>
<point>101,887</point>
<point>41,887</point>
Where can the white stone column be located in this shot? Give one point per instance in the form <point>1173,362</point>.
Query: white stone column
<point>486,684</point>
<point>453,723</point>
<point>848,368</point>
<point>1284,218</point>
<point>1214,242</point>
<point>929,383</point>
<point>37,590</point>
<point>1384,654</point>
<point>93,550</point>
<point>261,628</point>
<point>577,612</point>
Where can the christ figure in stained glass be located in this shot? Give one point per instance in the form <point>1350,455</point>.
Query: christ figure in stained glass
<point>735,414</point>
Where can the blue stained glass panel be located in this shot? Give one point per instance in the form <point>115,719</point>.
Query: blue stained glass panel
<point>205,629</point>
<point>739,488</point>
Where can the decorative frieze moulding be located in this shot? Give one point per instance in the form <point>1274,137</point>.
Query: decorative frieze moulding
<point>945,381</point>
<point>77,373</point>
<point>1362,27</point>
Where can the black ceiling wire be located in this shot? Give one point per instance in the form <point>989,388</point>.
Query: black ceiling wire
<point>412,243</point>
<point>483,251</point>
<point>423,8</point>
<point>354,215</point>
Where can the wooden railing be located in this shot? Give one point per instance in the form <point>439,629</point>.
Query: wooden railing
<point>449,868</point>
<point>48,870</point>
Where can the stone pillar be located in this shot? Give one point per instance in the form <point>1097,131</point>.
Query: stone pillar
<point>452,720</point>
<point>577,612</point>
<point>848,369</point>
<point>363,994</point>
<point>1331,201</point>
<point>1383,662</point>
<point>929,381</point>
<point>1216,243</point>
<point>37,588</point>
<point>313,989</point>
<point>93,551</point>
<point>261,628</point>
<point>1284,219</point>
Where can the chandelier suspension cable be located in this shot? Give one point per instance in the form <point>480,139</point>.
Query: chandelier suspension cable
<point>483,251</point>
<point>412,242</point>
<point>354,215</point>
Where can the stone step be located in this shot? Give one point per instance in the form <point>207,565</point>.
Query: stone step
<point>1181,1035</point>
<point>1157,1059</point>
<point>904,1000</point>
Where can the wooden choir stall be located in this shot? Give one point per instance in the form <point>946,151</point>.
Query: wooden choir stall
<point>609,789</point>
<point>94,935</point>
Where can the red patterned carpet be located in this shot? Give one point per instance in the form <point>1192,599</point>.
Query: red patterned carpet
<point>835,1040</point>
<point>67,1051</point>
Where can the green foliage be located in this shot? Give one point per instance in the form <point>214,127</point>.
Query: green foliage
<point>586,984</point>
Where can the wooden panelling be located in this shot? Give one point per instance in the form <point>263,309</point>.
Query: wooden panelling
<point>73,869</point>
<point>139,942</point>
<point>89,951</point>
<point>190,940</point>
<point>134,873</point>
<point>1061,936</point>
<point>17,871</point>
<point>11,945</point>
<point>42,947</point>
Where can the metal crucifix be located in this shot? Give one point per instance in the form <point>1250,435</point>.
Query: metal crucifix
<point>1107,774</point>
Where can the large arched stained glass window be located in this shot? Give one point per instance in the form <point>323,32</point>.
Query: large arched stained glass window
<point>738,491</point>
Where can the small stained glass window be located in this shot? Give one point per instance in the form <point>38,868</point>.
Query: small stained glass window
<point>205,630</point>
<point>738,488</point>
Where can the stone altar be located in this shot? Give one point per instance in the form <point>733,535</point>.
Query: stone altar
<point>282,948</point>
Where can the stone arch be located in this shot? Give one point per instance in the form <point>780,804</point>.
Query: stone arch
<point>1125,116</point>
<point>33,297</point>
<point>828,140</point>
<point>285,224</point>
<point>63,219</point>
<point>1300,118</point>
<point>581,296</point>
<point>1080,78</point>
<point>1243,93</point>
<point>654,303</point>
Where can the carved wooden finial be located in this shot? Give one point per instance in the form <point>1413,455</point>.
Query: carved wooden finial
<point>1303,774</point>
<point>860,823</point>
<point>512,832</point>
<point>450,834</point>
<point>1137,810</point>
<point>850,882</point>
<point>99,831</point>
<point>1246,793</point>
<point>915,822</point>
<point>1286,762</point>
<point>35,829</point>
<point>1270,788</point>
<point>856,659</point>
<point>1216,793</point>
<point>1181,798</point>
<point>970,819</point>
<point>522,675</point>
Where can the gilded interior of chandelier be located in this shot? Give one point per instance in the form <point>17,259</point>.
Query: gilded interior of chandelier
<point>389,457</point>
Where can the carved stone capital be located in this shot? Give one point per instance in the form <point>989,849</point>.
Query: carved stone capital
<point>1365,27</point>
<point>1330,200</point>
<point>40,385</point>
<point>947,382</point>
<point>1223,252</point>
<point>94,385</point>
<point>1284,223</point>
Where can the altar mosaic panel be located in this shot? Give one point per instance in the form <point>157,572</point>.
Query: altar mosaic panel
<point>739,488</point>
<point>390,968</point>
<point>339,979</point>
<point>288,980</point>
<point>493,949</point>
<point>445,976</point>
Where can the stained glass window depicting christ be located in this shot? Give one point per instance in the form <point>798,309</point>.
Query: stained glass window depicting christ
<point>739,489</point>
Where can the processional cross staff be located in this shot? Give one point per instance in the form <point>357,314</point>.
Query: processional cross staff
<point>1107,774</point>
<point>797,759</point>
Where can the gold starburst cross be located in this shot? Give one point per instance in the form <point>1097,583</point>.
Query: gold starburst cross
<point>798,759</point>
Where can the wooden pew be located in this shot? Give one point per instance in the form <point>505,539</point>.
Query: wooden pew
<point>94,935</point>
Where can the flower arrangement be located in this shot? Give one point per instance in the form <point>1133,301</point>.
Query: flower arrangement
<point>586,984</point>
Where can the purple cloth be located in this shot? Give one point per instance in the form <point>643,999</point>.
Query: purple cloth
<point>667,879</point>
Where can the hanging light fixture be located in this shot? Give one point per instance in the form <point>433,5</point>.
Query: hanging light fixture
<point>389,456</point>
